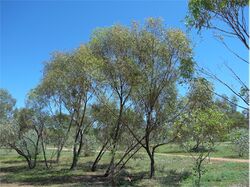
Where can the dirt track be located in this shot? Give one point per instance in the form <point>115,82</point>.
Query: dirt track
<point>210,158</point>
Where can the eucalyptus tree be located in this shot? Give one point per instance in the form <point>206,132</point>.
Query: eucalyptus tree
<point>7,104</point>
<point>53,89</point>
<point>68,81</point>
<point>36,102</point>
<point>19,129</point>
<point>202,126</point>
<point>23,134</point>
<point>164,58</point>
<point>200,98</point>
<point>57,128</point>
<point>204,120</point>
<point>7,111</point>
<point>113,46</point>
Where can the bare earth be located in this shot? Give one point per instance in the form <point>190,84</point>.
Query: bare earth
<point>212,158</point>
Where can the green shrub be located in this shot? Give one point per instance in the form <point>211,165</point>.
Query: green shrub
<point>240,140</point>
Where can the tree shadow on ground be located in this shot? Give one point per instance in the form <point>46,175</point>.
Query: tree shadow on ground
<point>172,151</point>
<point>129,179</point>
<point>174,178</point>
<point>23,161</point>
<point>43,177</point>
<point>40,180</point>
<point>12,161</point>
<point>87,166</point>
<point>14,169</point>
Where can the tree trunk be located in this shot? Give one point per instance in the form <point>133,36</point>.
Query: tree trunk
<point>61,145</point>
<point>99,156</point>
<point>110,170</point>
<point>31,164</point>
<point>59,150</point>
<point>74,162</point>
<point>125,162</point>
<point>196,146</point>
<point>152,167</point>
<point>44,154</point>
<point>77,150</point>
<point>152,162</point>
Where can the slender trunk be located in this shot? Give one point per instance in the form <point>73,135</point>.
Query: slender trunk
<point>74,162</point>
<point>79,132</point>
<point>65,138</point>
<point>125,162</point>
<point>77,150</point>
<point>110,170</point>
<point>152,167</point>
<point>127,153</point>
<point>199,173</point>
<point>59,150</point>
<point>152,162</point>
<point>99,156</point>
<point>75,157</point>
<point>36,153</point>
<point>44,154</point>
<point>147,147</point>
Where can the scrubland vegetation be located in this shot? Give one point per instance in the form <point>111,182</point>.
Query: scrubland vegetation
<point>113,112</point>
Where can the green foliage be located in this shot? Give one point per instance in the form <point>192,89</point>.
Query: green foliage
<point>201,93</point>
<point>202,13</point>
<point>7,103</point>
<point>229,107</point>
<point>240,140</point>
<point>118,88</point>
<point>204,122</point>
<point>8,131</point>
<point>68,77</point>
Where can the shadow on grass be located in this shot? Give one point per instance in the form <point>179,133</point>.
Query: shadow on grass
<point>127,179</point>
<point>63,179</point>
<point>171,151</point>
<point>13,161</point>
<point>87,166</point>
<point>235,156</point>
<point>174,178</point>
<point>24,162</point>
<point>14,169</point>
<point>43,177</point>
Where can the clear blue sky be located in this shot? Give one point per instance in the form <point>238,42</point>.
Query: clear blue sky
<point>32,30</point>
